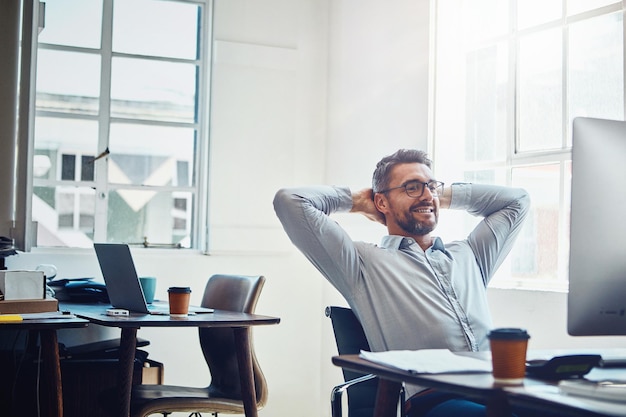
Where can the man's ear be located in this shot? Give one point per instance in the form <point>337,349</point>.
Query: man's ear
<point>381,203</point>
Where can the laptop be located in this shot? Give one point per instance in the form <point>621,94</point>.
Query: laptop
<point>122,282</point>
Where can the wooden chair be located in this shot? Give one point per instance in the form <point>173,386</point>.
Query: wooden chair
<point>223,395</point>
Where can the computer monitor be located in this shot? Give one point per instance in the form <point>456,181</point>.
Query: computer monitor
<point>597,263</point>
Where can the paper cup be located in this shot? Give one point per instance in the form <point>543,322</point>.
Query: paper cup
<point>179,301</point>
<point>508,354</point>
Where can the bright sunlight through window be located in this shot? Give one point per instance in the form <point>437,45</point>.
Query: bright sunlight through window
<point>510,76</point>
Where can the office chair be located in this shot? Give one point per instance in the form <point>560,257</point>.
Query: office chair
<point>223,395</point>
<point>361,388</point>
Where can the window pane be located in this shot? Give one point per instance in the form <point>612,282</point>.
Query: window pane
<point>55,137</point>
<point>64,216</point>
<point>535,253</point>
<point>486,103</point>
<point>68,82</point>
<point>540,91</point>
<point>68,167</point>
<point>535,12</point>
<point>73,23</point>
<point>87,172</point>
<point>157,28</point>
<point>153,90</point>
<point>160,217</point>
<point>149,155</point>
<point>578,6</point>
<point>596,64</point>
<point>493,16</point>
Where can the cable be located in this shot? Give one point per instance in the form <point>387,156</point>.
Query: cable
<point>38,380</point>
<point>17,365</point>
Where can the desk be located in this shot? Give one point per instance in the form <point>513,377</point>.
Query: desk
<point>50,353</point>
<point>547,397</point>
<point>533,394</point>
<point>239,322</point>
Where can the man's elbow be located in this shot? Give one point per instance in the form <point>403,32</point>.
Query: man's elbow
<point>283,200</point>
<point>524,202</point>
<point>280,197</point>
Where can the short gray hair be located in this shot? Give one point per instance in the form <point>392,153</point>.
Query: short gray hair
<point>381,177</point>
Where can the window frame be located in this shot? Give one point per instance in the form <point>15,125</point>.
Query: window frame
<point>201,126</point>
<point>514,157</point>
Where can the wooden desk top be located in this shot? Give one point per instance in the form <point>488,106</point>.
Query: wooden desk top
<point>546,396</point>
<point>96,313</point>
<point>45,324</point>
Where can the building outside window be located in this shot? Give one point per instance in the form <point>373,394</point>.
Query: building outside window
<point>121,125</point>
<point>510,76</point>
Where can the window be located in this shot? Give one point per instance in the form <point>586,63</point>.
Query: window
<point>121,125</point>
<point>510,76</point>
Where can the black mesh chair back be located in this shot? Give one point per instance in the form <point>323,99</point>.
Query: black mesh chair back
<point>361,388</point>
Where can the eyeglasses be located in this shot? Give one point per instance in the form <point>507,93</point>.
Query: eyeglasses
<point>415,188</point>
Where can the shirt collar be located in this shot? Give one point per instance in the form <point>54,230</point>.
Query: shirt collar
<point>401,242</point>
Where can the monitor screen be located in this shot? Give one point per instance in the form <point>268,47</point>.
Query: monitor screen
<point>597,263</point>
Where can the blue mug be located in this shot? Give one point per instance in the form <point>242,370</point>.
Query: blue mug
<point>148,285</point>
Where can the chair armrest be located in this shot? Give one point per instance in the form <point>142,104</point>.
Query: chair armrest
<point>337,392</point>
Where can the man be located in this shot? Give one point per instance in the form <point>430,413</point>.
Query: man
<point>412,291</point>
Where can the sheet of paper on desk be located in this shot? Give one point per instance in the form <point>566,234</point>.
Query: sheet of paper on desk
<point>47,315</point>
<point>427,361</point>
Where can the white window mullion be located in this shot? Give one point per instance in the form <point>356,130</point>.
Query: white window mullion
<point>624,57</point>
<point>101,167</point>
<point>512,116</point>
<point>200,235</point>
<point>565,71</point>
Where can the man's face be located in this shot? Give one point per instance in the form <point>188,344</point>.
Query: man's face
<point>407,215</point>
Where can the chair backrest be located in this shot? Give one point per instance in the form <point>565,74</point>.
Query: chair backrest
<point>350,339</point>
<point>233,293</point>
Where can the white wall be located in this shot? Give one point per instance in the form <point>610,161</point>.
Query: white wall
<point>305,91</point>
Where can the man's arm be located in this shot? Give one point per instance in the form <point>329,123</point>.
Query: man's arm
<point>504,210</point>
<point>444,199</point>
<point>304,213</point>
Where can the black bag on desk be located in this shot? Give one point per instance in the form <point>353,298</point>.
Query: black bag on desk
<point>80,291</point>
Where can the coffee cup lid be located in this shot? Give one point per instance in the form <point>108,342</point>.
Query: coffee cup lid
<point>509,333</point>
<point>183,290</point>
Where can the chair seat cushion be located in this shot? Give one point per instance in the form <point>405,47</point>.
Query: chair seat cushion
<point>147,399</point>
<point>151,392</point>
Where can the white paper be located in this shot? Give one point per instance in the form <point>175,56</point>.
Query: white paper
<point>427,361</point>
<point>22,285</point>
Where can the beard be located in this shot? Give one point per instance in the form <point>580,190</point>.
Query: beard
<point>412,226</point>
